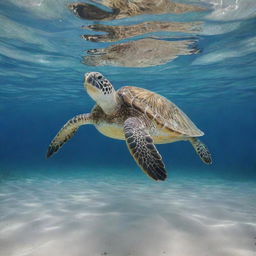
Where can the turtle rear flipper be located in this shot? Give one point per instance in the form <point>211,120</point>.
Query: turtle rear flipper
<point>67,132</point>
<point>201,150</point>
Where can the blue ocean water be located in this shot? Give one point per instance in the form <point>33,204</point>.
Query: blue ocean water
<point>91,198</point>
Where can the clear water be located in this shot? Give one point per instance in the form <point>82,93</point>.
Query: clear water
<point>91,198</point>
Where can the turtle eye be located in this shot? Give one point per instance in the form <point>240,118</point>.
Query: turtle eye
<point>99,77</point>
<point>98,85</point>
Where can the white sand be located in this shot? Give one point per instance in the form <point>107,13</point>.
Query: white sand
<point>85,217</point>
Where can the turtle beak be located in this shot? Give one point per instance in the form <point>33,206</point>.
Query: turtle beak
<point>88,83</point>
<point>86,76</point>
<point>87,79</point>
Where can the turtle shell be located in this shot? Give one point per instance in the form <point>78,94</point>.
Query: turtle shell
<point>165,113</point>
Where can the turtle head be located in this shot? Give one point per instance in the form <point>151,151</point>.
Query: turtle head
<point>101,90</point>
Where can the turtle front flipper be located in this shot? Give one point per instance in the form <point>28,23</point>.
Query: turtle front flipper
<point>67,132</point>
<point>143,150</point>
<point>201,150</point>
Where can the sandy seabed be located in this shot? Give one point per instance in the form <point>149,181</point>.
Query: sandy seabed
<point>76,216</point>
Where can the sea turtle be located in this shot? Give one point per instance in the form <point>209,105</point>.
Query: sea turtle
<point>127,8</point>
<point>140,117</point>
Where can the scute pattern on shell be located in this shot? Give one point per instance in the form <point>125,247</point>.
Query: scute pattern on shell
<point>156,107</point>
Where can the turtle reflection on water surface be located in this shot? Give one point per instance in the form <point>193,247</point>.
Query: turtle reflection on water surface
<point>140,117</point>
<point>140,53</point>
<point>116,33</point>
<point>128,8</point>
